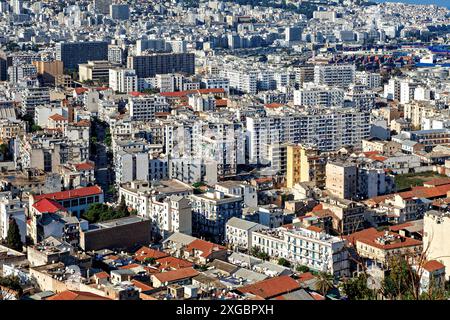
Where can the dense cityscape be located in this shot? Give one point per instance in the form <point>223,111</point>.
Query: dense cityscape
<point>224,150</point>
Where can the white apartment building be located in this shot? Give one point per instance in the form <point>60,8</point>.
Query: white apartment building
<point>318,96</point>
<point>33,97</point>
<point>211,211</point>
<point>316,250</point>
<point>369,79</point>
<point>138,194</point>
<point>238,233</point>
<point>407,89</point>
<point>245,81</point>
<point>11,208</point>
<point>130,166</point>
<point>17,73</point>
<point>169,215</point>
<point>239,188</point>
<point>327,129</point>
<point>202,102</point>
<point>334,75</point>
<point>123,80</point>
<point>435,237</point>
<point>216,83</point>
<point>392,89</point>
<point>144,107</point>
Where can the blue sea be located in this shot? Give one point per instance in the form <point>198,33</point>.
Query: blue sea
<point>443,3</point>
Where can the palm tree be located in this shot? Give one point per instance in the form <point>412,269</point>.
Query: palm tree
<point>324,282</point>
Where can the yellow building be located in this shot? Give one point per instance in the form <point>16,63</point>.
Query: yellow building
<point>305,164</point>
<point>49,70</point>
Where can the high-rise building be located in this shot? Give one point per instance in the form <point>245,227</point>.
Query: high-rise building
<point>161,63</point>
<point>74,53</point>
<point>341,179</point>
<point>123,80</point>
<point>305,164</point>
<point>144,107</point>
<point>119,11</point>
<point>334,74</point>
<point>102,6</point>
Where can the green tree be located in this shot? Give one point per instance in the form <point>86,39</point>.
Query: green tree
<point>302,269</point>
<point>256,252</point>
<point>403,281</point>
<point>357,289</point>
<point>13,239</point>
<point>11,282</point>
<point>283,262</point>
<point>324,283</point>
<point>35,127</point>
<point>150,260</point>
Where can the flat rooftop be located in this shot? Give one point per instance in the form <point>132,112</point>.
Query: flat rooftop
<point>115,223</point>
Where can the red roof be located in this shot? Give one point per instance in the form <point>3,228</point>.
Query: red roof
<point>437,182</point>
<point>70,194</point>
<point>129,266</point>
<point>272,287</point>
<point>142,286</point>
<point>175,275</point>
<point>273,105</point>
<point>57,117</point>
<point>306,276</point>
<point>146,252</point>
<point>79,91</point>
<point>433,265</point>
<point>101,275</point>
<point>84,166</point>
<point>136,94</point>
<point>369,237</point>
<point>76,295</point>
<point>207,248</point>
<point>416,192</point>
<point>221,102</point>
<point>48,206</point>
<point>173,263</point>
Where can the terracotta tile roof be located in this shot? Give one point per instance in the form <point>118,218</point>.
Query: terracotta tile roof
<point>129,266</point>
<point>146,252</point>
<point>271,287</point>
<point>221,102</point>
<point>71,194</point>
<point>76,295</point>
<point>84,166</point>
<point>401,226</point>
<point>273,105</point>
<point>315,228</point>
<point>416,192</point>
<point>174,275</point>
<point>318,207</point>
<point>82,123</point>
<point>437,182</point>
<point>369,236</point>
<point>79,91</point>
<point>48,206</point>
<point>101,275</point>
<point>142,286</point>
<point>207,248</point>
<point>433,265</point>
<point>173,263</point>
<point>306,276</point>
<point>57,117</point>
<point>137,94</point>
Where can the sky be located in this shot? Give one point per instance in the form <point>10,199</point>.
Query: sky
<point>445,3</point>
